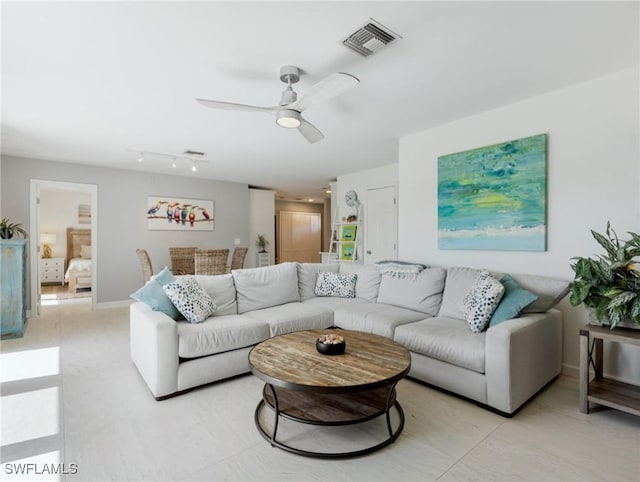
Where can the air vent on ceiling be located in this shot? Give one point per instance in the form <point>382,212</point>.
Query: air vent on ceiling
<point>368,39</point>
<point>191,153</point>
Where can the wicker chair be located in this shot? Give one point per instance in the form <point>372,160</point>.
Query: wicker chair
<point>182,260</point>
<point>145,261</point>
<point>211,261</point>
<point>237,260</point>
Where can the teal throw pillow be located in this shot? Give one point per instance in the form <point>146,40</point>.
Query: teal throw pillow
<point>154,296</point>
<point>165,276</point>
<point>515,299</point>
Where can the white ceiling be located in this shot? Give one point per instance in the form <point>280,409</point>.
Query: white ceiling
<point>85,82</point>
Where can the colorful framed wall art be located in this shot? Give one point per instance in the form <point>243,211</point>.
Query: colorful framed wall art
<point>494,197</point>
<point>346,251</point>
<point>348,233</point>
<point>178,214</point>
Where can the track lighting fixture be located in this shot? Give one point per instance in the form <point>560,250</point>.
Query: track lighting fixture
<point>188,156</point>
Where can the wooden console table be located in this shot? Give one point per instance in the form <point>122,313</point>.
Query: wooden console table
<point>601,390</point>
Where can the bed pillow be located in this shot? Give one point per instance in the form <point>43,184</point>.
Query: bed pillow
<point>341,285</point>
<point>481,301</point>
<point>152,295</point>
<point>514,300</point>
<point>85,251</point>
<point>190,299</point>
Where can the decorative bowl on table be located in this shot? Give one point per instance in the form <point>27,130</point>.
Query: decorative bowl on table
<point>330,344</point>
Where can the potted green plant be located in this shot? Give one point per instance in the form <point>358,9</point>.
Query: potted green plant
<point>609,285</point>
<point>261,243</point>
<point>8,230</point>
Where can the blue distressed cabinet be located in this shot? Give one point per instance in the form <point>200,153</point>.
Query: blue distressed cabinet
<point>13,285</point>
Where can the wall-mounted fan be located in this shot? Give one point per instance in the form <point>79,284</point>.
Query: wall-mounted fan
<point>288,112</point>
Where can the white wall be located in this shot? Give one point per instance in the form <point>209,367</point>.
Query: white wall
<point>122,196</point>
<point>261,221</point>
<point>593,175</point>
<point>361,182</point>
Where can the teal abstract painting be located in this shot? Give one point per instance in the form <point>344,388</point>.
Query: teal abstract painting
<point>494,197</point>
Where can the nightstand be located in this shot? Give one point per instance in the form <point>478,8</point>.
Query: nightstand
<point>52,270</point>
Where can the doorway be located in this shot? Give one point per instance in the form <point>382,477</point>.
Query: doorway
<point>299,237</point>
<point>382,225</point>
<point>56,207</point>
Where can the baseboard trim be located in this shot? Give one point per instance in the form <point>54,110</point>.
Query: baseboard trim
<point>570,370</point>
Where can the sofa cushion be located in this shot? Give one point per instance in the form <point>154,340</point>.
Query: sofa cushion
<point>445,339</point>
<point>293,317</point>
<point>515,299</point>
<point>219,334</point>
<point>341,285</point>
<point>549,291</point>
<point>374,318</point>
<point>368,282</point>
<point>221,288</point>
<point>334,303</point>
<point>308,275</point>
<point>191,300</point>
<point>482,300</point>
<point>259,288</point>
<point>422,293</point>
<point>456,286</point>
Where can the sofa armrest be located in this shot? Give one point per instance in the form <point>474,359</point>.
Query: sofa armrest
<point>522,356</point>
<point>154,348</point>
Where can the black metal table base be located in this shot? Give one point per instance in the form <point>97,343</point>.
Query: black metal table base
<point>271,437</point>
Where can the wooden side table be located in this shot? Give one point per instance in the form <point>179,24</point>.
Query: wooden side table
<point>601,390</point>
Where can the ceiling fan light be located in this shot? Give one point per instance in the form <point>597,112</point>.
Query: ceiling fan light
<point>288,118</point>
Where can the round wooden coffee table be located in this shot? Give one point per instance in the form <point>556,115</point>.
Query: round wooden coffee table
<point>306,386</point>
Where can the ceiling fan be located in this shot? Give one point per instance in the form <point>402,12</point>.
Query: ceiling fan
<point>288,112</point>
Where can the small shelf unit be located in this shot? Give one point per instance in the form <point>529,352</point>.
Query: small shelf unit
<point>344,242</point>
<point>601,390</point>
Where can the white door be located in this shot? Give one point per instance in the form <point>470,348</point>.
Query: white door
<point>382,225</point>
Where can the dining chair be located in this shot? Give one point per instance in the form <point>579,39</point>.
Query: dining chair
<point>182,260</point>
<point>145,262</point>
<point>211,261</point>
<point>237,260</point>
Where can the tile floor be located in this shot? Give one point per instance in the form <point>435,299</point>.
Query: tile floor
<point>70,394</point>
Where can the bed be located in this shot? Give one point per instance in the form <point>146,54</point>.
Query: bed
<point>79,274</point>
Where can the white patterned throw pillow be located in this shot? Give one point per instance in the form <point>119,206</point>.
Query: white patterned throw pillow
<point>190,299</point>
<point>482,300</point>
<point>342,285</point>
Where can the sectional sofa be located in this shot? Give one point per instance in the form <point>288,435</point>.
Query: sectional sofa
<point>500,368</point>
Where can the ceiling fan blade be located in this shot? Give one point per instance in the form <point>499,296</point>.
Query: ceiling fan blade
<point>216,104</point>
<point>309,131</point>
<point>324,90</point>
